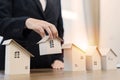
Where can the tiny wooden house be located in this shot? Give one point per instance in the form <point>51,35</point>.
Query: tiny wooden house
<point>93,59</point>
<point>109,59</point>
<point>50,46</point>
<point>74,58</point>
<point>17,59</point>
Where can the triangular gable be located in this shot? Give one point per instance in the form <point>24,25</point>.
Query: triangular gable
<point>98,51</point>
<point>104,51</point>
<point>69,46</point>
<point>46,38</point>
<point>113,52</point>
<point>91,50</point>
<point>7,42</point>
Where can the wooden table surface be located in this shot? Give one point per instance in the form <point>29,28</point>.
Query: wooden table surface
<point>47,74</point>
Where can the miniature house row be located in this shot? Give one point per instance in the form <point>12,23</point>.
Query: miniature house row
<point>95,58</point>
<point>17,59</point>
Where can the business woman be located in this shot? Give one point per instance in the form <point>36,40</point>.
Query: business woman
<point>27,21</point>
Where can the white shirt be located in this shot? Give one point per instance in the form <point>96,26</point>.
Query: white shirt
<point>43,3</point>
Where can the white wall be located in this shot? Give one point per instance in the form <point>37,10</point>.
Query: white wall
<point>110,25</point>
<point>91,8</point>
<point>81,22</point>
<point>94,22</point>
<point>74,22</point>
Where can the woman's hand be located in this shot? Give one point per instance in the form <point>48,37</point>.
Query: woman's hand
<point>41,26</point>
<point>58,65</point>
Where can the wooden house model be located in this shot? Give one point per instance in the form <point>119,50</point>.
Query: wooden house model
<point>93,59</point>
<point>74,58</point>
<point>50,46</point>
<point>109,59</point>
<point>17,59</point>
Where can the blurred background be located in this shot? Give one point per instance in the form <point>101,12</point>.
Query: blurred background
<point>92,23</point>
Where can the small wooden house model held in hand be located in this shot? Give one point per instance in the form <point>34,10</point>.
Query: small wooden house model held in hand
<point>50,46</point>
<point>74,58</point>
<point>109,58</point>
<point>17,58</point>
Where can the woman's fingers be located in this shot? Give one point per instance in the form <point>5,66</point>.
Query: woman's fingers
<point>54,31</point>
<point>49,32</point>
<point>58,65</point>
<point>41,26</point>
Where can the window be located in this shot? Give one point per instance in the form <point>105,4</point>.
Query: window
<point>17,54</point>
<point>51,44</point>
<point>81,57</point>
<point>109,58</point>
<point>26,67</point>
<point>76,65</point>
<point>95,62</point>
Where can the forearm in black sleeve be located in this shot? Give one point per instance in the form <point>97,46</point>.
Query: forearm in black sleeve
<point>13,27</point>
<point>10,26</point>
<point>57,57</point>
<point>60,23</point>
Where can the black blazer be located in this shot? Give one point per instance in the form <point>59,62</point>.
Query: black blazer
<point>13,14</point>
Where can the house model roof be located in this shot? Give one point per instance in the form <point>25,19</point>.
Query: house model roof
<point>46,38</point>
<point>69,46</point>
<point>7,42</point>
<point>104,51</point>
<point>91,50</point>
